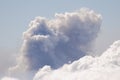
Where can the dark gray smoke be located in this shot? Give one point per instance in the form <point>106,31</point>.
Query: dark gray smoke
<point>55,42</point>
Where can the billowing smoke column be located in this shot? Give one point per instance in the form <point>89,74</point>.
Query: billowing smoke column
<point>54,42</point>
<point>105,67</point>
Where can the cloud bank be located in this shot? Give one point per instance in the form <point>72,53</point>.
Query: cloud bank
<point>105,67</point>
<point>61,40</point>
<point>8,78</point>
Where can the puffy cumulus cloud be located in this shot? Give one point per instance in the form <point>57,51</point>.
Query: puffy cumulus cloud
<point>9,78</point>
<point>55,42</point>
<point>105,67</point>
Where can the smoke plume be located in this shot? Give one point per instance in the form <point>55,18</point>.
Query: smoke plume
<point>61,40</point>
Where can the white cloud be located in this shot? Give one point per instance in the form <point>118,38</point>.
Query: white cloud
<point>105,67</point>
<point>55,42</point>
<point>8,78</point>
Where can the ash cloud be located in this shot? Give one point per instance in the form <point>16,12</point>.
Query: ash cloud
<point>54,42</point>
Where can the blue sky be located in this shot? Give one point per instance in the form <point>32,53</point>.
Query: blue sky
<point>15,16</point>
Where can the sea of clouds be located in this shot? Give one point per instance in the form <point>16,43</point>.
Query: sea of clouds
<point>105,67</point>
<point>58,49</point>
